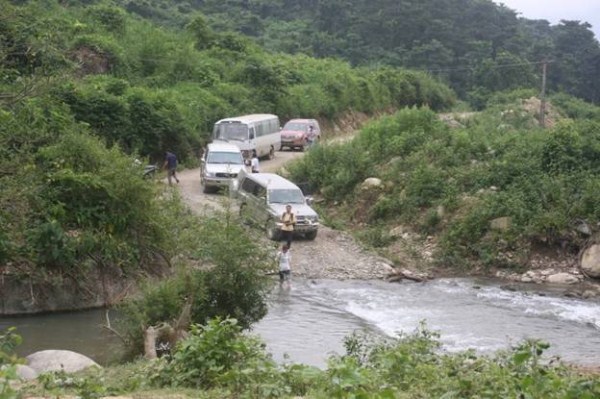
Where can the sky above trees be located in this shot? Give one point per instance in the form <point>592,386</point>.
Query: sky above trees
<point>555,10</point>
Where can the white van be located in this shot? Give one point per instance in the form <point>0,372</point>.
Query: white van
<point>220,163</point>
<point>260,132</point>
<point>263,198</point>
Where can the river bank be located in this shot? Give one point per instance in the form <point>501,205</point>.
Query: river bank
<point>337,254</point>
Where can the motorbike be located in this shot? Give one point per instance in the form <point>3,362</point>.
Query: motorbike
<point>150,171</point>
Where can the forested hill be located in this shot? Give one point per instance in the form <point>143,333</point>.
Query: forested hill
<point>477,46</point>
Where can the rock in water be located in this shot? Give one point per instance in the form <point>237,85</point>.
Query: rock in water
<point>590,261</point>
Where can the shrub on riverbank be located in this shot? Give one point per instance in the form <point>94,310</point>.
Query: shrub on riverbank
<point>69,204</point>
<point>455,182</point>
<point>221,272</point>
<point>217,360</point>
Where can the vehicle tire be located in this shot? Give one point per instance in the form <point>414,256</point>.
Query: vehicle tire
<point>272,231</point>
<point>311,235</point>
<point>272,153</point>
<point>205,189</point>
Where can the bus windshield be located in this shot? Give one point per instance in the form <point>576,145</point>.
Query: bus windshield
<point>231,131</point>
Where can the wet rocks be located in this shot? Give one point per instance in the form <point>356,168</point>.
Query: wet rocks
<point>590,261</point>
<point>562,278</point>
<point>570,276</point>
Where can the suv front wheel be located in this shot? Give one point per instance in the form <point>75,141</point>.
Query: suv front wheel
<point>311,235</point>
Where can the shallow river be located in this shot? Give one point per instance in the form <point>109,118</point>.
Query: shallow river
<point>310,321</point>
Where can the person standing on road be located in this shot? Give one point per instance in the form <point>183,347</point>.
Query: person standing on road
<point>288,219</point>
<point>310,137</point>
<point>254,162</point>
<point>285,268</point>
<point>171,165</point>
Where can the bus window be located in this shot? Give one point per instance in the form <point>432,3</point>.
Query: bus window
<point>231,131</point>
<point>252,135</point>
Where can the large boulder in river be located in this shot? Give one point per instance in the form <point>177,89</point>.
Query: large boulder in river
<point>56,360</point>
<point>590,261</point>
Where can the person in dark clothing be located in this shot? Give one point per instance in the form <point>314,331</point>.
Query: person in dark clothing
<point>171,165</point>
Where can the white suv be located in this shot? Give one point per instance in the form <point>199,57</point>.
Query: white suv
<point>263,197</point>
<point>220,163</point>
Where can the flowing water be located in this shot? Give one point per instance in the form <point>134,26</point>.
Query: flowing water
<point>309,322</point>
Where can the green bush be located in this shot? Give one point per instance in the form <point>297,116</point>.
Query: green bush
<point>574,107</point>
<point>219,360</point>
<point>9,340</point>
<point>112,19</point>
<point>218,354</point>
<point>231,282</point>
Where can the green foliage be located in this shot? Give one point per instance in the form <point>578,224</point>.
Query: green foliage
<point>219,360</point>
<point>232,281</point>
<point>85,387</point>
<point>541,180</point>
<point>376,236</point>
<point>219,354</point>
<point>112,19</point>
<point>9,340</point>
<point>575,108</point>
<point>478,47</point>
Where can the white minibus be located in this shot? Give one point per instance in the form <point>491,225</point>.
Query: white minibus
<point>260,132</point>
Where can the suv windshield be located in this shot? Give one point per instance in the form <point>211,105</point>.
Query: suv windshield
<point>225,157</point>
<point>231,131</point>
<point>301,127</point>
<point>287,196</point>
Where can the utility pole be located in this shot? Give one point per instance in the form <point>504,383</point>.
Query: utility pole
<point>543,95</point>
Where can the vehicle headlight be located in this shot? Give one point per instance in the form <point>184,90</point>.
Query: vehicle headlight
<point>313,219</point>
<point>210,174</point>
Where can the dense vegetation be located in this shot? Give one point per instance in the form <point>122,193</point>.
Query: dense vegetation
<point>85,88</point>
<point>224,274</point>
<point>454,182</point>
<point>218,361</point>
<point>477,46</point>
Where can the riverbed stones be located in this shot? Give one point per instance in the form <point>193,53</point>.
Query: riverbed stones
<point>56,360</point>
<point>562,278</point>
<point>590,261</point>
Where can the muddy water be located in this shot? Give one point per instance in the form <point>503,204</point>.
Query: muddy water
<point>309,322</point>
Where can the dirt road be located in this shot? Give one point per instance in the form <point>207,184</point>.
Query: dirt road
<point>333,254</point>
